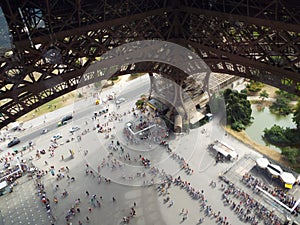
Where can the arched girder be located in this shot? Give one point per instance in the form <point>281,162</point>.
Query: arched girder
<point>254,39</point>
<point>60,87</point>
<point>233,64</point>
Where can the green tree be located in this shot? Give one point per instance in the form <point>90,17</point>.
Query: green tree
<point>289,138</point>
<point>97,85</point>
<point>254,86</point>
<point>281,106</point>
<point>263,95</point>
<point>291,154</point>
<point>276,135</point>
<point>296,117</point>
<point>287,95</point>
<point>238,109</point>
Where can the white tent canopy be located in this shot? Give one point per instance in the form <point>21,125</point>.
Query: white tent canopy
<point>275,170</point>
<point>225,149</point>
<point>15,125</point>
<point>262,162</point>
<point>3,184</point>
<point>287,178</point>
<point>233,155</point>
<point>221,150</point>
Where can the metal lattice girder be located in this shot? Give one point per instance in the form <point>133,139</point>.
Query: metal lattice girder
<point>54,42</point>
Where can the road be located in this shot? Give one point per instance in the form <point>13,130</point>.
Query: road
<point>135,90</point>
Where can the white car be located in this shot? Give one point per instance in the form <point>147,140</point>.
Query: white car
<point>120,100</point>
<point>73,129</point>
<point>44,131</point>
<point>56,137</point>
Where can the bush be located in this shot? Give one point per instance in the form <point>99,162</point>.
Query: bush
<point>237,126</point>
<point>97,85</point>
<point>114,78</point>
<point>244,91</point>
<point>276,135</point>
<point>140,103</point>
<point>255,86</point>
<point>286,95</point>
<point>281,107</point>
<point>291,154</point>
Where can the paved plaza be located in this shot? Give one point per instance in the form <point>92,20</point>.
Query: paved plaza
<point>112,179</point>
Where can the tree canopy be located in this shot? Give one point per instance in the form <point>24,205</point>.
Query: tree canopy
<point>296,117</point>
<point>263,95</point>
<point>289,138</point>
<point>238,109</point>
<point>281,106</point>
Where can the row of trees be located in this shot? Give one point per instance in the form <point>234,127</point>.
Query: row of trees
<point>277,131</point>
<point>288,138</point>
<point>238,110</point>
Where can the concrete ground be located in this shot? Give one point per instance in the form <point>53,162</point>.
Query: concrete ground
<point>23,205</point>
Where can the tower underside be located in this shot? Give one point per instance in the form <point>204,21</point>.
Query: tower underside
<point>49,45</point>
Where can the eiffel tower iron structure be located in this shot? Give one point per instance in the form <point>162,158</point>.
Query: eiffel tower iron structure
<point>53,42</point>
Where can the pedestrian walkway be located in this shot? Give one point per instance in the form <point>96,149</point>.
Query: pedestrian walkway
<point>107,183</point>
<point>23,205</point>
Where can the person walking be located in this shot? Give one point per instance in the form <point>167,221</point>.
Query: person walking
<point>98,203</point>
<point>182,211</point>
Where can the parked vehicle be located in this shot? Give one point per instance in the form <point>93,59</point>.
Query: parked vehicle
<point>60,123</point>
<point>120,100</point>
<point>64,120</point>
<point>13,142</point>
<point>56,137</point>
<point>73,129</point>
<point>44,131</point>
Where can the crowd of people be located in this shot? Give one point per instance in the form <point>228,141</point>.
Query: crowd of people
<point>42,193</point>
<point>5,135</point>
<point>254,182</point>
<point>183,163</point>
<point>195,194</point>
<point>145,127</point>
<point>246,207</point>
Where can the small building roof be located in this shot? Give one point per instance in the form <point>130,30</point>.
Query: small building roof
<point>262,162</point>
<point>287,178</point>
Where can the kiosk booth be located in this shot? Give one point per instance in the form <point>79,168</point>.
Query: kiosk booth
<point>225,150</point>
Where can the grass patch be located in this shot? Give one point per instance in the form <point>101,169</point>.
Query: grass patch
<point>276,156</point>
<point>135,75</point>
<point>50,106</point>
